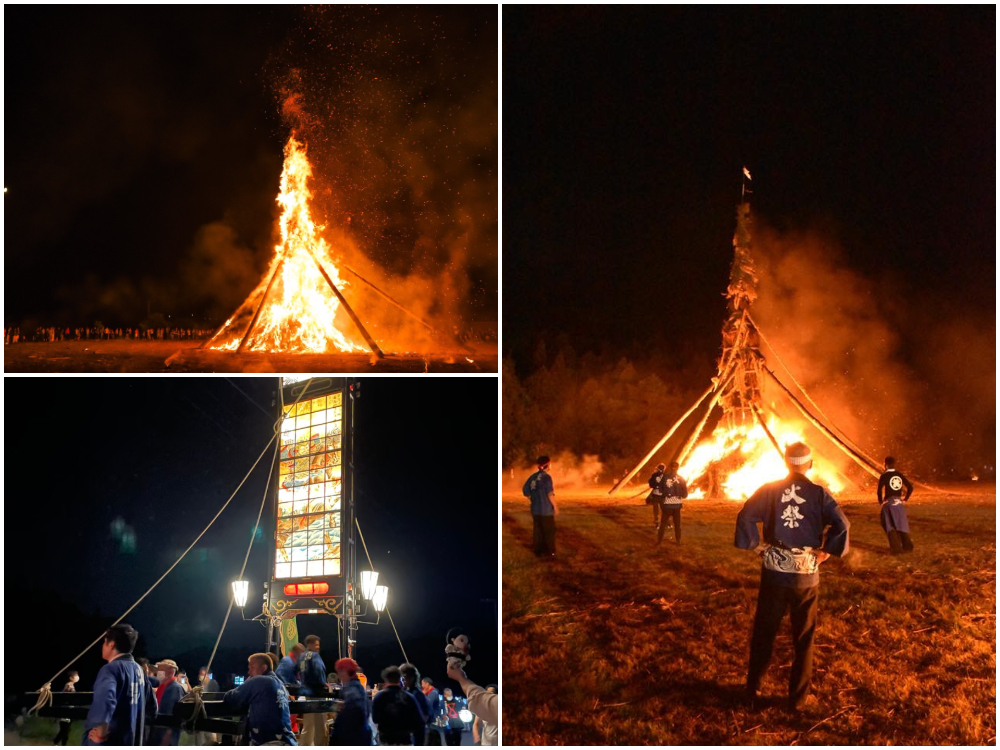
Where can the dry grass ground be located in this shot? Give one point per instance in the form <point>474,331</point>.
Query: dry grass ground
<point>618,641</point>
<point>122,355</point>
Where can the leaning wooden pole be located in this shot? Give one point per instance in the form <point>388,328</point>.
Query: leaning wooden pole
<point>770,436</point>
<point>263,299</point>
<point>624,480</point>
<point>350,311</point>
<point>696,435</point>
<point>393,302</point>
<point>823,428</point>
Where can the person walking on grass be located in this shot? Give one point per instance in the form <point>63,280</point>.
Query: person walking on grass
<point>674,491</point>
<point>539,490</point>
<point>803,527</point>
<point>893,490</point>
<point>655,496</point>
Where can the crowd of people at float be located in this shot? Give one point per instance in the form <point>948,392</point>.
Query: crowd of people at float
<point>404,709</point>
<point>13,334</point>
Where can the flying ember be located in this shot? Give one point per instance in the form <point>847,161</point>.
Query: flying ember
<point>298,304</point>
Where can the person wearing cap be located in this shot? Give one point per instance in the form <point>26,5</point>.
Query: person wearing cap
<point>674,490</point>
<point>655,496</point>
<point>893,490</point>
<point>123,699</point>
<point>168,693</point>
<point>351,726</point>
<point>803,527</point>
<point>312,676</point>
<point>265,700</point>
<point>543,508</point>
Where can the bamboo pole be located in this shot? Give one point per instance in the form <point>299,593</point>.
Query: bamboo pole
<point>770,435</point>
<point>690,443</point>
<point>420,320</point>
<point>350,311</point>
<point>256,314</point>
<point>823,428</point>
<point>663,440</point>
<point>809,398</point>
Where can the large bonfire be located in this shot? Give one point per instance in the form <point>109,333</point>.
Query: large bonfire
<point>744,448</point>
<point>298,306</point>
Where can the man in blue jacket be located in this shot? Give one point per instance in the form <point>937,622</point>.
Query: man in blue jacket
<point>411,684</point>
<point>287,667</point>
<point>168,693</point>
<point>351,725</point>
<point>543,508</point>
<point>435,723</point>
<point>123,698</point>
<point>395,712</point>
<point>893,490</point>
<point>794,514</point>
<point>266,702</point>
<point>312,677</point>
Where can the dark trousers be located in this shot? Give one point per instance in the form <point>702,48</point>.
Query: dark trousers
<point>673,513</point>
<point>772,601</point>
<point>899,541</point>
<point>656,512</point>
<point>545,535</point>
<point>63,735</point>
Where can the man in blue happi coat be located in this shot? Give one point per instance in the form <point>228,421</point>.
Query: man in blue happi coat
<point>893,490</point>
<point>674,491</point>
<point>803,527</point>
<point>539,490</point>
<point>351,727</point>
<point>312,677</point>
<point>123,698</point>
<point>287,667</point>
<point>266,702</point>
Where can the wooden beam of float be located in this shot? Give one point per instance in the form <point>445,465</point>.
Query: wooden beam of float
<point>624,480</point>
<point>393,302</point>
<point>350,311</point>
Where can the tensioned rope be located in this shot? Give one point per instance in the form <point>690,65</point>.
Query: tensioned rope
<point>372,567</point>
<point>45,693</point>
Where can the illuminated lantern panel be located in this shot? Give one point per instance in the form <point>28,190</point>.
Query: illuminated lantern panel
<point>306,589</point>
<point>310,489</point>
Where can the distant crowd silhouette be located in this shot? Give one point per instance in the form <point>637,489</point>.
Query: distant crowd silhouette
<point>13,335</point>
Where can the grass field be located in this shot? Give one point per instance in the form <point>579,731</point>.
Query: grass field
<point>617,641</point>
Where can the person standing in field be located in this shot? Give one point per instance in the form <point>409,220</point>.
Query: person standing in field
<point>70,687</point>
<point>803,527</point>
<point>674,490</point>
<point>655,496</point>
<point>893,490</point>
<point>543,508</point>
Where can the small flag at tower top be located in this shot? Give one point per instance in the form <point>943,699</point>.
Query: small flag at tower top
<point>746,172</point>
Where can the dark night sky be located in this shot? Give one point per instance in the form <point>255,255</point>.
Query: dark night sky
<point>144,149</point>
<point>626,129</point>
<point>161,456</point>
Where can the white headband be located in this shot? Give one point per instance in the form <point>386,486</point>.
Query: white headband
<point>799,460</point>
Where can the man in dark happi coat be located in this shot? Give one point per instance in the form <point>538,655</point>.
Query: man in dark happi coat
<point>802,527</point>
<point>674,490</point>
<point>123,698</point>
<point>893,490</point>
<point>655,496</point>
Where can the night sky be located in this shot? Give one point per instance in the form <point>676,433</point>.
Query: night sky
<point>626,130</point>
<point>118,475</point>
<point>144,150</point>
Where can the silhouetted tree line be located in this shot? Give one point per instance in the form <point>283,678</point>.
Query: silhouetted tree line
<point>600,404</point>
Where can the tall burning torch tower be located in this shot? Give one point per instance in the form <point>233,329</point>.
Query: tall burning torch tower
<point>740,373</point>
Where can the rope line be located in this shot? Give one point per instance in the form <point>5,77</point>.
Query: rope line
<point>372,566</point>
<point>276,430</point>
<point>183,555</point>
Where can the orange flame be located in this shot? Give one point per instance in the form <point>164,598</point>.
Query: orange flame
<point>744,458</point>
<point>298,314</point>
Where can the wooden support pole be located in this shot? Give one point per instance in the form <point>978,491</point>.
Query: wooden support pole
<point>391,301</point>
<point>256,314</point>
<point>760,418</point>
<point>350,311</point>
<point>693,438</point>
<point>635,470</point>
<point>823,428</point>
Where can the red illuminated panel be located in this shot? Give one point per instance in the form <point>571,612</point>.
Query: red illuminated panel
<point>306,589</point>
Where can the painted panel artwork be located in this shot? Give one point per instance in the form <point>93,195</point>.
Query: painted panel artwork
<point>309,488</point>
